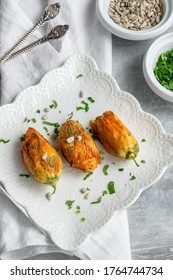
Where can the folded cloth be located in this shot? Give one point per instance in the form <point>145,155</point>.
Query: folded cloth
<point>19,237</point>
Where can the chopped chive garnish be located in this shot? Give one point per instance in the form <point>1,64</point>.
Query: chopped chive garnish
<point>79,76</point>
<point>83,219</point>
<point>78,211</point>
<point>143,161</point>
<point>22,138</point>
<point>80,108</point>
<point>121,169</point>
<point>88,175</point>
<point>97,201</point>
<point>46,129</point>
<point>91,99</point>
<point>143,140</point>
<point>70,132</point>
<point>113,163</point>
<point>101,153</point>
<point>25,120</point>
<point>105,169</point>
<point>104,192</point>
<point>111,187</point>
<point>133,177</point>
<point>24,175</point>
<point>77,207</point>
<point>33,120</point>
<point>70,116</point>
<point>52,160</point>
<point>88,189</point>
<point>53,105</point>
<point>69,203</point>
<point>51,124</point>
<point>4,141</point>
<point>71,148</point>
<point>38,111</point>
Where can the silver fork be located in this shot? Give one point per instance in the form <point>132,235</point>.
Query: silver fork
<point>50,12</point>
<point>57,32</point>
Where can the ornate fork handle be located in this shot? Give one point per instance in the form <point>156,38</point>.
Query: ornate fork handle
<point>50,12</point>
<point>57,32</point>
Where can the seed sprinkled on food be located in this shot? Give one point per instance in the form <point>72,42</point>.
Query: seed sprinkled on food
<point>44,156</point>
<point>81,94</point>
<point>70,139</point>
<point>83,190</point>
<point>49,196</point>
<point>136,14</point>
<point>45,117</point>
<point>47,110</point>
<point>87,196</point>
<point>79,137</point>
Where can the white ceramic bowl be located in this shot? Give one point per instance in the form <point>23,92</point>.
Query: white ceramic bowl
<point>108,23</point>
<point>159,46</point>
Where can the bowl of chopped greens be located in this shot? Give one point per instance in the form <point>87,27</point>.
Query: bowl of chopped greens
<point>158,66</point>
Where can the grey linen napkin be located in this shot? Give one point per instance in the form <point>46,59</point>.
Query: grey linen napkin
<point>19,237</point>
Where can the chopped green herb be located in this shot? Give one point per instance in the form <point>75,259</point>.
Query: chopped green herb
<point>104,192</point>
<point>121,169</point>
<point>91,99</point>
<point>133,177</point>
<point>77,207</point>
<point>105,169</point>
<point>52,160</point>
<point>79,76</point>
<point>59,111</point>
<point>111,187</point>
<point>70,116</point>
<point>56,130</point>
<point>4,141</point>
<point>51,124</point>
<point>88,189</point>
<point>97,201</point>
<point>143,161</point>
<point>46,129</point>
<point>88,175</point>
<point>28,120</point>
<point>113,163</point>
<point>164,70</point>
<point>69,203</point>
<point>54,105</point>
<point>70,132</point>
<point>143,140</point>
<point>78,211</point>
<point>33,120</point>
<point>38,111</point>
<point>86,108</point>
<point>83,219</point>
<point>80,108</point>
<point>101,153</point>
<point>71,148</point>
<point>24,175</point>
<point>22,138</point>
<point>94,137</point>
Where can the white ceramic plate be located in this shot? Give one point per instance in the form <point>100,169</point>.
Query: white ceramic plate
<point>65,226</point>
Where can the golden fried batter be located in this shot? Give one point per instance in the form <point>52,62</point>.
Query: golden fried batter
<point>41,159</point>
<point>115,136</point>
<point>78,147</point>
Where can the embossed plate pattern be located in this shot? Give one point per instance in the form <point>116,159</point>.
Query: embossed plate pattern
<point>65,226</point>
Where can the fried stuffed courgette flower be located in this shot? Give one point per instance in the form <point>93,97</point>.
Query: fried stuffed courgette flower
<point>115,136</point>
<point>41,159</point>
<point>78,147</point>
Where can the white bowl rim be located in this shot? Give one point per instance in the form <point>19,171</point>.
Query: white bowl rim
<point>132,34</point>
<point>148,66</point>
